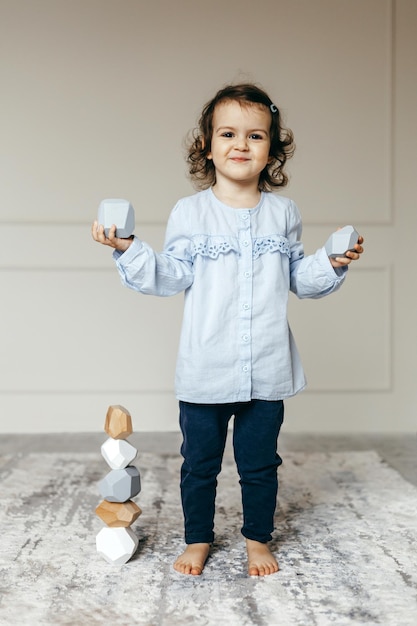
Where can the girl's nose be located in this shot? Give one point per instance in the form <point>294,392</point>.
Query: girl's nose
<point>241,143</point>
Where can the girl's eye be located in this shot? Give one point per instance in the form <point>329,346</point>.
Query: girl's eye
<point>227,134</point>
<point>255,136</point>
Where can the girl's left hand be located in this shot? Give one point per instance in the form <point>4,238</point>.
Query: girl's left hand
<point>351,255</point>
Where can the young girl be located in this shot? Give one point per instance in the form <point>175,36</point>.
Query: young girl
<point>234,248</point>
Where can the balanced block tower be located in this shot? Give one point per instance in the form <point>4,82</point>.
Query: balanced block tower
<point>117,542</point>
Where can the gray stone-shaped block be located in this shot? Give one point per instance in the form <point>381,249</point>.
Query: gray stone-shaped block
<point>120,485</point>
<point>118,453</point>
<point>341,241</point>
<point>116,545</point>
<point>119,212</point>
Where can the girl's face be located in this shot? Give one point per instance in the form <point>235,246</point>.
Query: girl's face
<point>241,141</point>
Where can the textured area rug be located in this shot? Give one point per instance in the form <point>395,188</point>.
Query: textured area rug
<point>346,537</point>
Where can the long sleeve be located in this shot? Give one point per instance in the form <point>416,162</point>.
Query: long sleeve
<point>160,274</point>
<point>311,276</point>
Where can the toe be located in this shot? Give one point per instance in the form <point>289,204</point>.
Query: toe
<point>253,570</point>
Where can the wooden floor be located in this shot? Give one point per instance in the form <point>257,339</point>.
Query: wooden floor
<point>399,451</point>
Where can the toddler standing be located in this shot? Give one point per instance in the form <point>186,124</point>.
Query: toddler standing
<point>234,248</point>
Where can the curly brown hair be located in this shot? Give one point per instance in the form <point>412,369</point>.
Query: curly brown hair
<point>202,170</point>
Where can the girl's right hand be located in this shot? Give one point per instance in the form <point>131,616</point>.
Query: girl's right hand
<point>98,234</point>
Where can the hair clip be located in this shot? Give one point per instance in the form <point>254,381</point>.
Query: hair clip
<point>274,108</point>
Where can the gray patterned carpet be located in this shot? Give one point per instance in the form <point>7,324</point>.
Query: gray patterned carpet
<point>346,537</point>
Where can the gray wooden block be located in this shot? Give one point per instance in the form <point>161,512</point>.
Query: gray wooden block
<point>341,241</point>
<point>119,212</point>
<point>120,485</point>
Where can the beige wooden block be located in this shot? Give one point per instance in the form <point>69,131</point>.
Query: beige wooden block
<point>116,514</point>
<point>118,423</point>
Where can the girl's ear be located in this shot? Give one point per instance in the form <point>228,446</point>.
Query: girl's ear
<point>203,145</point>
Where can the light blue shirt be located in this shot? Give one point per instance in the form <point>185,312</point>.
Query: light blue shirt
<point>236,267</point>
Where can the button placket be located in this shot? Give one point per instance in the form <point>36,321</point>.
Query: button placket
<point>245,304</point>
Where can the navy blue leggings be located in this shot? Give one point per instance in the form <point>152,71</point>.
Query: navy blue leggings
<point>255,434</point>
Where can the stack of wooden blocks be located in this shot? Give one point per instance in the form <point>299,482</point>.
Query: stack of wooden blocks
<point>117,542</point>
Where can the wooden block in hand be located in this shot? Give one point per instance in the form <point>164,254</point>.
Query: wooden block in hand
<point>118,212</point>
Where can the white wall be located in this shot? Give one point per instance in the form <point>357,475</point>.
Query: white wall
<point>96,99</point>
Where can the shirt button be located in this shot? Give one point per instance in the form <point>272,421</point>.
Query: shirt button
<point>246,242</point>
<point>245,216</point>
<point>245,368</point>
<point>247,274</point>
<point>246,306</point>
<point>245,338</point>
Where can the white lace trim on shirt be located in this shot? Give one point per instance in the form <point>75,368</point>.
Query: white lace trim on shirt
<point>205,245</point>
<point>272,243</point>
<point>212,247</point>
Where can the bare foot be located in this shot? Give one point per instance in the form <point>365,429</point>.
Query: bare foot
<point>261,562</point>
<point>193,559</point>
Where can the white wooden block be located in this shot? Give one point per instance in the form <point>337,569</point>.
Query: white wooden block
<point>116,545</point>
<point>118,453</point>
